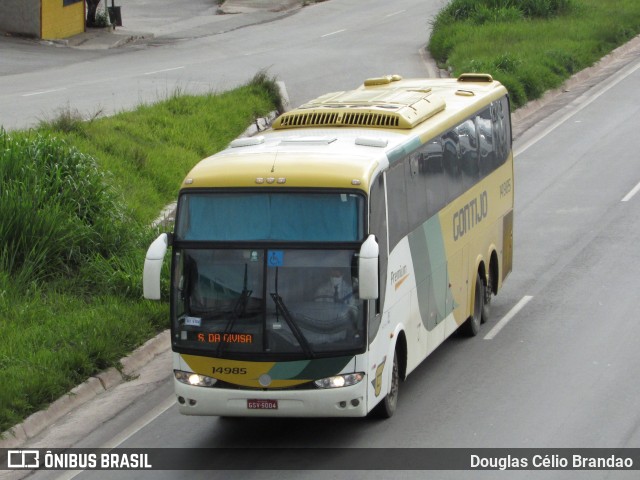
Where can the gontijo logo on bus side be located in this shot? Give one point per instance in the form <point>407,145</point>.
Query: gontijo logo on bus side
<point>470,215</point>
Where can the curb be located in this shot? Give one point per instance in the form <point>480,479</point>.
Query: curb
<point>86,391</point>
<point>240,7</point>
<point>431,65</point>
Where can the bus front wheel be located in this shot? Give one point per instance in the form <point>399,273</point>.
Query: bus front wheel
<point>387,407</point>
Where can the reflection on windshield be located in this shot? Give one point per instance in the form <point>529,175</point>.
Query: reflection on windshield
<point>267,301</point>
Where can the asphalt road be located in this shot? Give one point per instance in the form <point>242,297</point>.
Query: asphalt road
<point>560,373</point>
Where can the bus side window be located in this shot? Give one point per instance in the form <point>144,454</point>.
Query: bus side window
<point>451,163</point>
<point>436,181</point>
<point>397,198</point>
<point>416,189</point>
<point>502,129</point>
<point>468,140</point>
<point>488,160</point>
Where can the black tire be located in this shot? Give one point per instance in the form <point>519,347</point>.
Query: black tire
<point>486,307</point>
<point>387,407</point>
<point>472,326</point>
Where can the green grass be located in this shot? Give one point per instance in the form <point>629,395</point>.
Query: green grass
<point>76,202</point>
<point>52,341</point>
<point>530,45</point>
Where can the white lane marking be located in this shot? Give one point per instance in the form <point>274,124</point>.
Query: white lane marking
<point>395,13</point>
<point>333,33</point>
<point>630,195</point>
<point>573,111</point>
<point>165,70</point>
<point>129,431</point>
<point>507,318</point>
<point>43,92</point>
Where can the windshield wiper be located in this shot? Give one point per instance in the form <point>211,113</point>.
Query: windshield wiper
<point>239,309</point>
<point>281,307</point>
<point>227,328</point>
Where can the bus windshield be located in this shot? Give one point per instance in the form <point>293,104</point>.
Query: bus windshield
<point>245,283</point>
<point>266,301</point>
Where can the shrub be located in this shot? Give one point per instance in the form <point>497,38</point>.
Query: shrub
<point>57,207</point>
<point>514,86</point>
<point>262,82</point>
<point>481,11</point>
<point>485,14</point>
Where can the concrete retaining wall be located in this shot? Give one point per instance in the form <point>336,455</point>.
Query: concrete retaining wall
<point>21,16</point>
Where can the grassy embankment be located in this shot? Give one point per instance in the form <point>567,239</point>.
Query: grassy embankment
<point>76,201</point>
<point>531,46</point>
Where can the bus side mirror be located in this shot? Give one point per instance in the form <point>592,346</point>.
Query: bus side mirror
<point>368,269</point>
<point>153,267</point>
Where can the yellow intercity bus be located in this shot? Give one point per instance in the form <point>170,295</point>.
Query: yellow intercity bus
<point>317,265</point>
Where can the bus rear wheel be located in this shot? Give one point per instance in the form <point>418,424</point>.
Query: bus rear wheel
<point>472,326</point>
<point>486,306</point>
<point>387,407</point>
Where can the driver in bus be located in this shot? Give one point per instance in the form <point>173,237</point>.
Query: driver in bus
<point>336,289</point>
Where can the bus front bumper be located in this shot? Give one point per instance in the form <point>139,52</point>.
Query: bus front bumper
<point>334,402</point>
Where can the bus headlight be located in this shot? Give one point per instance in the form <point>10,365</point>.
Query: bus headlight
<point>340,380</point>
<point>197,380</point>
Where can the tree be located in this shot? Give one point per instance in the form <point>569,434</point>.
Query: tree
<point>92,8</point>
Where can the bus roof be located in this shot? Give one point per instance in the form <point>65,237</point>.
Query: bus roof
<point>343,139</point>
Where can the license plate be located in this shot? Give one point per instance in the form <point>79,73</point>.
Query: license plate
<point>262,404</point>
